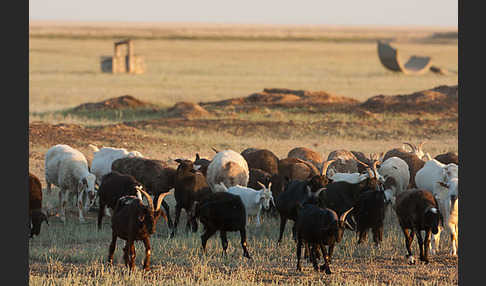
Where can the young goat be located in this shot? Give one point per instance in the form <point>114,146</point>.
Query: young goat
<point>224,212</point>
<point>417,210</point>
<point>133,221</point>
<point>253,200</point>
<point>115,185</point>
<point>317,227</point>
<point>190,187</point>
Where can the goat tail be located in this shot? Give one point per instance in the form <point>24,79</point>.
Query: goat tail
<point>93,147</point>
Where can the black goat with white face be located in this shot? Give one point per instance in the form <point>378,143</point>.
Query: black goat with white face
<point>317,227</point>
<point>132,221</point>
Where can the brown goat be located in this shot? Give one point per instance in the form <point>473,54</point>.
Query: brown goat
<point>133,221</point>
<point>296,169</point>
<point>156,177</point>
<point>306,154</point>
<point>447,158</point>
<point>345,162</point>
<point>36,215</point>
<point>262,159</point>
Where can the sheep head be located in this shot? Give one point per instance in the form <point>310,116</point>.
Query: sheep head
<point>432,219</point>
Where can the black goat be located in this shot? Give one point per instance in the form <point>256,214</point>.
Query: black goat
<point>115,185</point>
<point>224,212</point>
<point>190,186</point>
<point>370,214</point>
<point>417,210</point>
<point>36,215</point>
<point>341,196</point>
<point>316,228</point>
<point>296,193</point>
<point>202,163</point>
<point>132,221</point>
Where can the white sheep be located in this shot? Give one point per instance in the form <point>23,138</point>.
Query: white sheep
<point>228,167</point>
<point>67,168</point>
<point>442,180</point>
<point>102,159</point>
<point>253,200</point>
<point>397,177</point>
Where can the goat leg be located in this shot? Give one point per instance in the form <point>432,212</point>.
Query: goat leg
<point>111,250</point>
<point>283,221</point>
<point>176,220</point>
<point>243,243</point>
<point>205,236</point>
<point>167,211</point>
<point>224,242</point>
<point>313,256</point>
<point>408,242</point>
<point>325,256</point>
<point>299,251</point>
<point>146,261</point>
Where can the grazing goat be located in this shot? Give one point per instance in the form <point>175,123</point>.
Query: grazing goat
<point>253,200</point>
<point>190,187</point>
<point>295,194</point>
<point>228,167</point>
<point>417,210</point>
<point>115,185</point>
<point>201,164</point>
<point>415,160</point>
<point>258,176</point>
<point>156,177</point>
<point>67,168</point>
<point>297,169</point>
<point>36,215</point>
<point>104,157</point>
<point>447,158</point>
<point>317,227</point>
<point>133,221</point>
<point>397,177</point>
<point>306,154</point>
<point>370,214</point>
<point>442,180</point>
<point>224,212</point>
<point>262,159</point>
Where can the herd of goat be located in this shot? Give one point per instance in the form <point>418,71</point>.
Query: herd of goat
<point>349,190</point>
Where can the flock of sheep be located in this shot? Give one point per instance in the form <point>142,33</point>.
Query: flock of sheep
<point>349,190</point>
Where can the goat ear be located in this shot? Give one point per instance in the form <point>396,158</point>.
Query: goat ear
<point>197,156</point>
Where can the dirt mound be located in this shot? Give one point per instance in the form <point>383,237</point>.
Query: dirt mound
<point>187,110</point>
<point>284,97</point>
<point>439,99</point>
<point>121,102</point>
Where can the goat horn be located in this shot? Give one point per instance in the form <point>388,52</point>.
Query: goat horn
<point>414,148</point>
<point>361,162</point>
<point>421,144</point>
<point>325,166</point>
<point>375,169</point>
<point>343,216</point>
<point>147,196</point>
<point>263,186</point>
<point>159,201</point>
<point>215,150</point>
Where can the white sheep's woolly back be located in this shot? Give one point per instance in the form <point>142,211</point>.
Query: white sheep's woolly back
<point>216,172</point>
<point>396,168</point>
<point>104,157</point>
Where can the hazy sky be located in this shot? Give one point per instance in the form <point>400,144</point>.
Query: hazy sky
<point>345,12</point>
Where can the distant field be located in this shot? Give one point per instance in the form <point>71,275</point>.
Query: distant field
<point>202,63</point>
<point>65,71</point>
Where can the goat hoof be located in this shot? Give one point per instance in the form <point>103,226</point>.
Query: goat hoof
<point>410,260</point>
<point>326,269</point>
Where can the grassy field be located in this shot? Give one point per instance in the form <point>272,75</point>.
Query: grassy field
<point>207,63</point>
